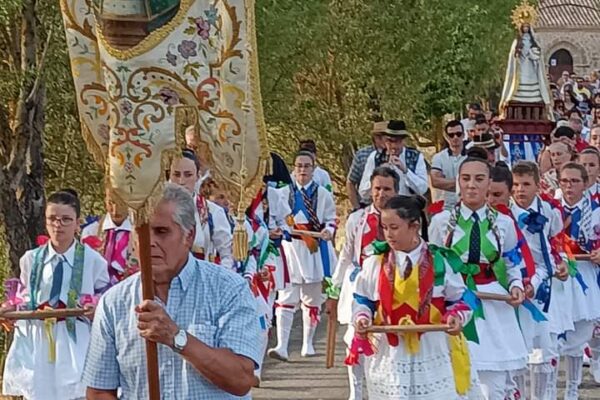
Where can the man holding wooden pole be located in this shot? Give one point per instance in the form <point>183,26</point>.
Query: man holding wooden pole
<point>203,320</point>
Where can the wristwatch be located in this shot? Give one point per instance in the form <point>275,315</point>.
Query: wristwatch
<point>180,341</point>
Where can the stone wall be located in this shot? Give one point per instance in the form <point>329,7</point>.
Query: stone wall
<point>584,46</point>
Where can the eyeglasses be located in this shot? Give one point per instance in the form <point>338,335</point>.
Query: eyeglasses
<point>567,182</point>
<point>453,135</point>
<point>303,166</point>
<point>63,221</point>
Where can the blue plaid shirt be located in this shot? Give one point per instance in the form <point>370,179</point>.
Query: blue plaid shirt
<point>358,164</point>
<point>209,302</point>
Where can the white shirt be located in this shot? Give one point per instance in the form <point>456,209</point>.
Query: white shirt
<point>108,224</point>
<point>221,241</point>
<point>305,266</point>
<point>552,227</point>
<point>416,181</point>
<point>448,165</point>
<point>438,232</point>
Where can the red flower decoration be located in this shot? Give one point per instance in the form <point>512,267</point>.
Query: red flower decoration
<point>42,240</point>
<point>93,241</point>
<point>436,208</point>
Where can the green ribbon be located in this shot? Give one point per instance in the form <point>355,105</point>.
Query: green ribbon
<point>380,247</point>
<point>75,283</point>
<point>572,267</point>
<point>487,248</point>
<point>331,290</point>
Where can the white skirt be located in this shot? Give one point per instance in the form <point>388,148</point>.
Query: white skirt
<point>586,306</point>
<point>29,373</point>
<point>560,313</point>
<point>392,373</point>
<point>501,344</point>
<point>537,335</point>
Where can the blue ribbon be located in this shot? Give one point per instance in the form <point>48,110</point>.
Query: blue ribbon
<point>354,272</point>
<point>581,282</point>
<point>471,299</point>
<point>324,250</point>
<point>90,219</point>
<point>536,314</point>
<point>365,301</point>
<point>535,222</point>
<point>514,255</point>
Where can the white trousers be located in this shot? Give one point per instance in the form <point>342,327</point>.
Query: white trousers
<point>309,294</point>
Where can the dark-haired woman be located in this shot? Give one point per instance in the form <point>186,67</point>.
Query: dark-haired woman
<point>401,286</point>
<point>486,242</point>
<point>45,360</point>
<point>213,240</point>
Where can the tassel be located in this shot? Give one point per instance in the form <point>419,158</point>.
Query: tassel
<point>49,324</point>
<point>461,364</point>
<point>240,241</point>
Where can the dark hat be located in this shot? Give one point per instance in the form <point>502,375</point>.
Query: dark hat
<point>564,131</point>
<point>485,140</point>
<point>396,128</point>
<point>278,171</point>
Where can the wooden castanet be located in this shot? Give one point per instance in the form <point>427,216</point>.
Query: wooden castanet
<point>493,296</point>
<point>407,328</point>
<point>43,314</point>
<point>316,235</point>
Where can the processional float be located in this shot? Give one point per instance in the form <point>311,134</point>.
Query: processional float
<point>144,72</point>
<point>526,106</point>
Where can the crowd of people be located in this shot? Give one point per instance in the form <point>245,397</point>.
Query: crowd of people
<point>500,257</point>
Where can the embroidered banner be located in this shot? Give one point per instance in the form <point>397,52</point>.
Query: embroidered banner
<point>196,66</point>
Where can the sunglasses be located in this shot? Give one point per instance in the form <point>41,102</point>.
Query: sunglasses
<point>453,135</point>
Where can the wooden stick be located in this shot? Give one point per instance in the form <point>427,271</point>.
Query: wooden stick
<point>331,338</point>
<point>43,314</point>
<point>493,296</point>
<point>143,232</point>
<point>407,328</point>
<point>316,235</point>
<point>582,257</point>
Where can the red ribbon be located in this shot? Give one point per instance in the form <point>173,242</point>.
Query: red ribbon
<point>359,346</point>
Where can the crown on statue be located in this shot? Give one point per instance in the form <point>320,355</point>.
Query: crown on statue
<point>524,14</point>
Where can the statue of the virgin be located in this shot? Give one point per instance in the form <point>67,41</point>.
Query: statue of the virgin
<point>525,80</point>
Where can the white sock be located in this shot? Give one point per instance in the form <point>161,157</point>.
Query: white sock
<point>574,376</point>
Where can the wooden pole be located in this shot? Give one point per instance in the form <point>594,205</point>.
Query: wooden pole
<point>331,339</point>
<point>143,233</point>
<point>407,328</point>
<point>493,296</point>
<point>43,314</point>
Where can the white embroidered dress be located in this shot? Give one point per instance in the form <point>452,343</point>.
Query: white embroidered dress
<point>392,372</point>
<point>28,371</point>
<point>501,345</point>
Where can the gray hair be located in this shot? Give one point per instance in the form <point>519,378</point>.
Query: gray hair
<point>184,214</point>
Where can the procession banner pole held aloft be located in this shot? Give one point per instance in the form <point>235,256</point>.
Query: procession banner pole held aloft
<point>143,233</point>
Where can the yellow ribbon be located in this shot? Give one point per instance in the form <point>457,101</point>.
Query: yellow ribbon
<point>461,364</point>
<point>49,329</point>
<point>411,339</point>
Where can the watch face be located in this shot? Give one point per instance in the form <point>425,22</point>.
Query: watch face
<point>180,339</point>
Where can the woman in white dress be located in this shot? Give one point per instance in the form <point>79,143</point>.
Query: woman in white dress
<point>401,286</point>
<point>45,360</point>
